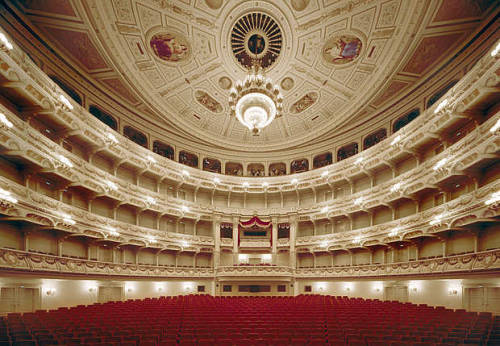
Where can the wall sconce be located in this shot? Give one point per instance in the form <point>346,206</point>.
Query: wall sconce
<point>160,289</point>
<point>92,289</point>
<point>413,288</point>
<point>50,291</point>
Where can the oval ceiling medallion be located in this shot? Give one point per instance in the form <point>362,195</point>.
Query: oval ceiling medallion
<point>208,101</point>
<point>214,4</point>
<point>170,46</point>
<point>342,49</point>
<point>225,83</point>
<point>256,36</point>
<point>305,102</point>
<point>287,83</point>
<point>300,5</point>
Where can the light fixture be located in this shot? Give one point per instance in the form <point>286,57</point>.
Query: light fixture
<point>267,257</point>
<point>396,187</point>
<point>265,184</point>
<point>67,219</point>
<point>112,137</point>
<point>150,200</point>
<point>356,240</point>
<point>185,208</point>
<point>493,129</point>
<point>324,210</point>
<point>65,102</point>
<point>5,122</point>
<point>324,244</point>
<point>256,100</point>
<point>495,51</point>
<point>394,232</point>
<point>151,239</point>
<point>294,181</point>
<point>5,42</point>
<point>495,197</point>
<point>50,291</point>
<point>185,173</point>
<point>151,159</point>
<point>7,196</point>
<point>358,200</point>
<point>440,164</point>
<point>437,220</point>
<point>184,243</point>
<point>216,180</point>
<point>112,185</point>
<point>112,231</point>
<point>358,160</point>
<point>65,160</point>
<point>92,289</point>
<point>245,184</point>
<point>396,140</point>
<point>324,174</point>
<point>441,105</point>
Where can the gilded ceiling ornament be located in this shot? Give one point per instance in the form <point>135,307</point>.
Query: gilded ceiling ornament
<point>305,102</point>
<point>208,101</point>
<point>256,36</point>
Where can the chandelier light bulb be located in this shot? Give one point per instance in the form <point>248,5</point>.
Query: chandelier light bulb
<point>256,101</point>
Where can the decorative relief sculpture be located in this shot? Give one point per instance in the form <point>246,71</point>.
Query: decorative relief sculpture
<point>341,50</point>
<point>208,101</point>
<point>225,83</point>
<point>169,46</point>
<point>305,102</point>
<point>287,83</point>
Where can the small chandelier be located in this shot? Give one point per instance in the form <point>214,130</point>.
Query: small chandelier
<point>256,101</point>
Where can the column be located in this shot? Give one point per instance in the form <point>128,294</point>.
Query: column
<point>293,232</point>
<point>476,241</point>
<point>274,238</point>
<point>235,240</point>
<point>26,241</point>
<point>59,246</point>
<point>216,233</point>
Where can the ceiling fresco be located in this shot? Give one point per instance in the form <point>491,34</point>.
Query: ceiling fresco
<point>335,60</point>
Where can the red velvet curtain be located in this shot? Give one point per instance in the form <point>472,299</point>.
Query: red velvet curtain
<point>254,221</point>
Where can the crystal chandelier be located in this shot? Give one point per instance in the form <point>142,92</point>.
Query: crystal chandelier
<point>256,101</point>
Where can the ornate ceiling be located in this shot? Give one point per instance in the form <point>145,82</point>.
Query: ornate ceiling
<point>337,61</point>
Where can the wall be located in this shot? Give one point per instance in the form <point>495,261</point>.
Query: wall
<point>72,292</point>
<point>446,292</point>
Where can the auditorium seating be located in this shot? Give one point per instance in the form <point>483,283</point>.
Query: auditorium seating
<point>207,320</point>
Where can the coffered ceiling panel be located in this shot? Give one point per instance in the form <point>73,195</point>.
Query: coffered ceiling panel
<point>177,58</point>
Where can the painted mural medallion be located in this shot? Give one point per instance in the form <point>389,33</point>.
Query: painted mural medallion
<point>342,49</point>
<point>170,46</point>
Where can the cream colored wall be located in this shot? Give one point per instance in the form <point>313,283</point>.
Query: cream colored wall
<point>72,292</point>
<point>431,292</point>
